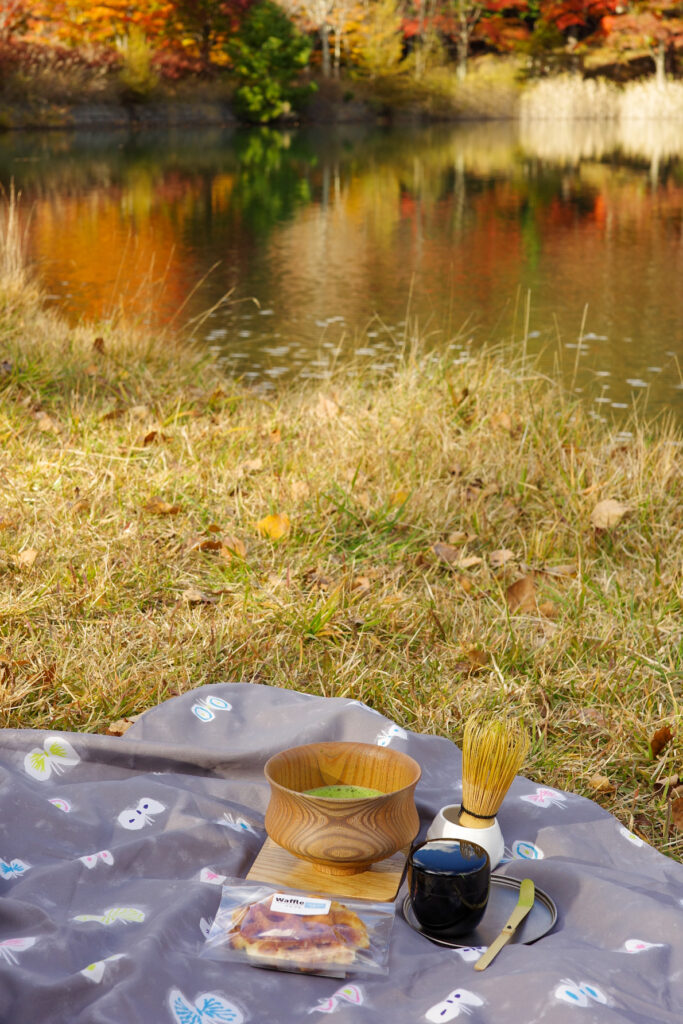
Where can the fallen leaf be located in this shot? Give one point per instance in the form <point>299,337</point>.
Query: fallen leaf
<point>299,490</point>
<point>608,513</point>
<point>98,345</point>
<point>521,596</point>
<point>204,544</point>
<point>593,716</point>
<point>669,783</point>
<point>213,528</point>
<point>92,370</point>
<point>113,414</point>
<point>275,436</point>
<point>154,435</point>
<point>80,505</point>
<point>501,419</point>
<point>677,813</point>
<point>250,466</point>
<point>195,596</point>
<point>459,537</point>
<point>26,558</point>
<point>121,725</point>
<point>601,784</point>
<point>233,546</point>
<point>161,508</point>
<point>477,658</point>
<point>561,570</point>
<point>7,524</point>
<point>447,552</point>
<point>660,740</point>
<point>46,424</point>
<point>549,610</point>
<point>361,583</point>
<point>139,411</point>
<point>274,526</point>
<point>399,498</point>
<point>468,561</point>
<point>499,558</point>
<point>326,408</point>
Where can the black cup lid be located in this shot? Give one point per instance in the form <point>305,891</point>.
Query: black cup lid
<point>449,856</point>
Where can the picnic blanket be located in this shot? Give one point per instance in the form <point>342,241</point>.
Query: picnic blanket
<point>113,852</point>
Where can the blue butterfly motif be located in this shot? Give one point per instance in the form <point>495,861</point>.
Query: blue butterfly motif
<point>15,869</point>
<point>206,1007</point>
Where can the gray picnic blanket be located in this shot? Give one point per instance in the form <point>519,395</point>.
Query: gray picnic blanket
<point>114,849</point>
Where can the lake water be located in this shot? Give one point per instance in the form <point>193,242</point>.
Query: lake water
<point>292,251</point>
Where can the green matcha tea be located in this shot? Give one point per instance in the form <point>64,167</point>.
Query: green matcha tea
<point>342,792</point>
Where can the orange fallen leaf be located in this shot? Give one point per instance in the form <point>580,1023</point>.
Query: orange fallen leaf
<point>161,508</point>
<point>26,558</point>
<point>521,596</point>
<point>275,436</point>
<point>548,610</point>
<point>660,740</point>
<point>499,558</point>
<point>274,526</point>
<point>98,345</point>
<point>361,583</point>
<point>477,658</point>
<point>608,513</point>
<point>398,498</point>
<point>213,528</point>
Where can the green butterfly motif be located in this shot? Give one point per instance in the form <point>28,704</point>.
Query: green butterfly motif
<point>57,754</point>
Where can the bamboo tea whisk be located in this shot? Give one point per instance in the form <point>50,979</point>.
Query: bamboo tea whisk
<point>493,751</point>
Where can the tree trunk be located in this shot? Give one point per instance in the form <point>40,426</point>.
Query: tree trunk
<point>462,48</point>
<point>325,43</point>
<point>660,63</point>
<point>337,51</point>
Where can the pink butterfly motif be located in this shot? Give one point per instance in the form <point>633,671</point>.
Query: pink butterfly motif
<point>10,947</point>
<point>91,859</point>
<point>209,875</point>
<point>545,797</point>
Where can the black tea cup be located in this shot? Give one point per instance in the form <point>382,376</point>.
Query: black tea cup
<point>448,883</point>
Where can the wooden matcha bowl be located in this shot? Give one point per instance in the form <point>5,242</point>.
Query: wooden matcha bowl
<point>342,836</point>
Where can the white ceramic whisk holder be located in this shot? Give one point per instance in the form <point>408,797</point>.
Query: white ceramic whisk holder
<point>445,826</point>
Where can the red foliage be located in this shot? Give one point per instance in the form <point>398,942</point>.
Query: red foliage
<point>566,14</point>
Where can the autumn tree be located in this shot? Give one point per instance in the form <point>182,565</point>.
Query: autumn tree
<point>206,23</point>
<point>13,18</point>
<point>655,28</point>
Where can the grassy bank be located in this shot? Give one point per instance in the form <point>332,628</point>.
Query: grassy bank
<point>138,559</point>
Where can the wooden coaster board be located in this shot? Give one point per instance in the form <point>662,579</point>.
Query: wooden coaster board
<point>381,883</point>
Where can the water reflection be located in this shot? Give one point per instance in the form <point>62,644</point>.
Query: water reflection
<point>289,250</point>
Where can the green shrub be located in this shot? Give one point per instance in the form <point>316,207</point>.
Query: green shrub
<point>268,54</point>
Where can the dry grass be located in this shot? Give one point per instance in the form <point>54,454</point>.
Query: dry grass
<point>108,607</point>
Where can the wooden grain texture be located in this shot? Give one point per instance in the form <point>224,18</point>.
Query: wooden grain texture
<point>342,837</point>
<point>380,882</point>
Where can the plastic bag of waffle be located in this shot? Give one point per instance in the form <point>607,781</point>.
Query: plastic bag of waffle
<point>288,930</point>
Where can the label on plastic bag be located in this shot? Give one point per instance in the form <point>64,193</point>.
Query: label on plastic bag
<point>304,906</point>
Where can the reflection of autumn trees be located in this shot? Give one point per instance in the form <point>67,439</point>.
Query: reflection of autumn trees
<point>461,220</point>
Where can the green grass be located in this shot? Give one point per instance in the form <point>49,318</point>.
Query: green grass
<point>108,607</point>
